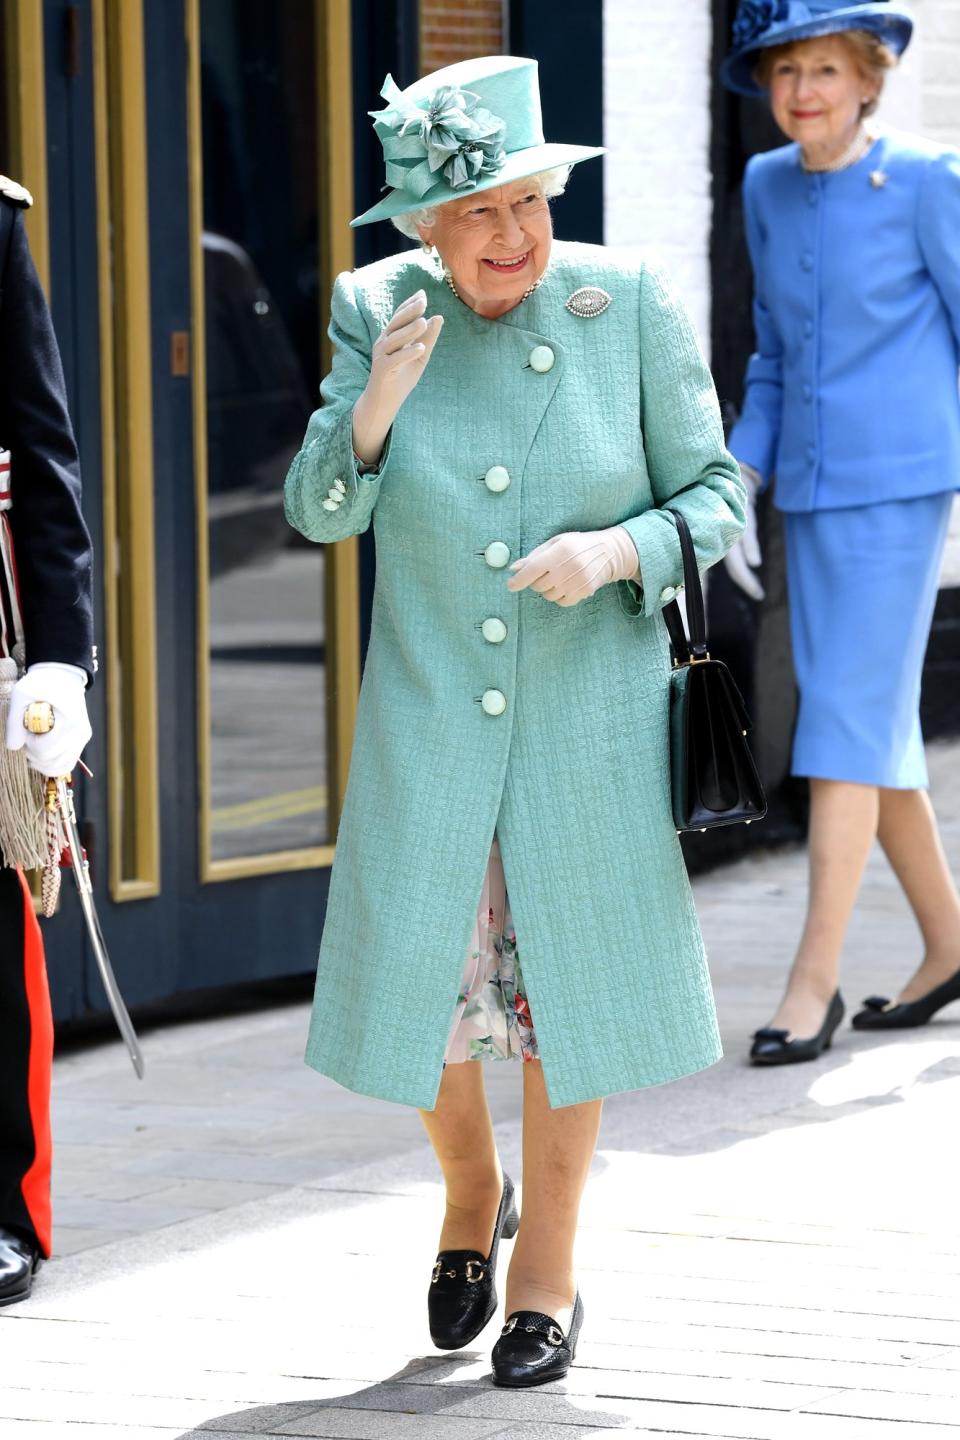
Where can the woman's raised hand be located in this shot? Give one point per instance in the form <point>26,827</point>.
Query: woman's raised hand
<point>400,356</point>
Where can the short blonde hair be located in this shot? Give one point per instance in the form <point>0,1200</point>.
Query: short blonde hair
<point>872,57</point>
<point>552,183</point>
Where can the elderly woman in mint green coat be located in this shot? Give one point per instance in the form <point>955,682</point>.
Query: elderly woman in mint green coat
<point>510,413</point>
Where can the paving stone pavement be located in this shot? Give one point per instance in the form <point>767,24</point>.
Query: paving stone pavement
<point>243,1248</point>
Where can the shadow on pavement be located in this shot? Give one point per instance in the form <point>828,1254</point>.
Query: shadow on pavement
<point>735,1102</point>
<point>396,1404</point>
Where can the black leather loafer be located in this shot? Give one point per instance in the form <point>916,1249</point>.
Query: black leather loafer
<point>19,1262</point>
<point>463,1292</point>
<point>773,1047</point>
<point>880,1014</point>
<point>532,1349</point>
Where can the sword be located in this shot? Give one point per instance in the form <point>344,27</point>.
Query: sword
<point>38,719</point>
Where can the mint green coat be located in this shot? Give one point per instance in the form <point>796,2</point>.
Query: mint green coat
<point>574,775</point>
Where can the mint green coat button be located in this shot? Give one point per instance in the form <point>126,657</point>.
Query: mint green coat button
<point>497,554</point>
<point>494,631</point>
<point>494,702</point>
<point>542,359</point>
<point>497,479</point>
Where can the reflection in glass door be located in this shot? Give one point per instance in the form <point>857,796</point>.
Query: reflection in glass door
<point>267,767</point>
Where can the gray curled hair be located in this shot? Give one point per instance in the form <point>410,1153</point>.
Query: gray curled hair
<point>552,183</point>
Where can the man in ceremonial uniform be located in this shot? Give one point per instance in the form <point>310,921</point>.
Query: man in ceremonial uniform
<point>40,493</point>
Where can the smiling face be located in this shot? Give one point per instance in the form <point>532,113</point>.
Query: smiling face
<point>817,93</point>
<point>495,244</point>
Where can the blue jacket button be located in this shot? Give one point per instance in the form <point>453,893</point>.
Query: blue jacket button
<point>542,359</point>
<point>494,702</point>
<point>497,479</point>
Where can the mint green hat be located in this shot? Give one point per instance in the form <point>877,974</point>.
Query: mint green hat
<point>461,130</point>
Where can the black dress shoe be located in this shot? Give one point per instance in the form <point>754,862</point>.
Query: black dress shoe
<point>463,1293</point>
<point>880,1014</point>
<point>19,1262</point>
<point>773,1047</point>
<point>532,1348</point>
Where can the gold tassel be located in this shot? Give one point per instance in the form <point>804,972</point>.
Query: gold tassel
<point>23,839</point>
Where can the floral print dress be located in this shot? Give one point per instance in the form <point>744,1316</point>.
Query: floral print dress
<point>492,1017</point>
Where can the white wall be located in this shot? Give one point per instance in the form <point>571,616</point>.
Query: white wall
<point>924,96</point>
<point>657,130</point>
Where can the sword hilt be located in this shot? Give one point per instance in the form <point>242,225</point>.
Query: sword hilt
<point>39,718</point>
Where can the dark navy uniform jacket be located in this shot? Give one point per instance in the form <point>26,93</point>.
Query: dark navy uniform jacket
<point>51,541</point>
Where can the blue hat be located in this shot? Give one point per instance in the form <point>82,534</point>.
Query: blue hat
<point>465,128</point>
<point>762,23</point>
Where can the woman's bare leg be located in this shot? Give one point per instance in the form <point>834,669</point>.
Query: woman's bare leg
<point>461,1133</point>
<point>910,838</point>
<point>558,1148</point>
<point>843,824</point>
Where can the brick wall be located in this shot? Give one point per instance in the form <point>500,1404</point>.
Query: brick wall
<point>452,30</point>
<point>657,129</point>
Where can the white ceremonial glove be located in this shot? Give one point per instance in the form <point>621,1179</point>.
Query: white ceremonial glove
<point>62,686</point>
<point>400,356</point>
<point>744,557</point>
<point>570,567</point>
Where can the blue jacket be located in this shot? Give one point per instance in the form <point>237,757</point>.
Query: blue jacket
<point>852,396</point>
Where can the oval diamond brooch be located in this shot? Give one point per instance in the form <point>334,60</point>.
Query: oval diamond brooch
<point>588,302</point>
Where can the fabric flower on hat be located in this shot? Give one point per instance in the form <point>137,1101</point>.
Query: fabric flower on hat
<point>447,134</point>
<point>755,16</point>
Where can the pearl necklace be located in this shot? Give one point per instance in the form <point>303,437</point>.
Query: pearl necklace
<point>535,286</point>
<point>855,151</point>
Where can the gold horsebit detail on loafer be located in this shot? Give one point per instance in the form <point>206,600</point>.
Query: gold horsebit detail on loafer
<point>470,1267</point>
<point>553,1336</point>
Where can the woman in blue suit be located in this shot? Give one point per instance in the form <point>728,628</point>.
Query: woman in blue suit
<point>852,403</point>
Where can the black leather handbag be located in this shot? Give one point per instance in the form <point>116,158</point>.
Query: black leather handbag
<point>713,774</point>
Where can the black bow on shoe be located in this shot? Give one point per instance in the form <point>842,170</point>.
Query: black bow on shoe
<point>881,1014</point>
<point>773,1047</point>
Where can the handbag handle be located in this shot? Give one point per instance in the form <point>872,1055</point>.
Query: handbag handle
<point>694,648</point>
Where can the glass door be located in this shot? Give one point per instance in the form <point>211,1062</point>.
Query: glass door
<point>268,654</point>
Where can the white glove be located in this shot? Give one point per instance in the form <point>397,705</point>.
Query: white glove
<point>400,356</point>
<point>570,567</point>
<point>744,557</point>
<point>62,686</point>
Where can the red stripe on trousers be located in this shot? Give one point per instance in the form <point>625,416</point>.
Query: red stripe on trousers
<point>35,1186</point>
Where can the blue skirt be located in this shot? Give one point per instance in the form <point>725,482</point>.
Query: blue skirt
<point>863,585</point>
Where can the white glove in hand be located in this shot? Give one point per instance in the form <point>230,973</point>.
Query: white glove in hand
<point>744,558</point>
<point>62,686</point>
<point>570,567</point>
<point>400,356</point>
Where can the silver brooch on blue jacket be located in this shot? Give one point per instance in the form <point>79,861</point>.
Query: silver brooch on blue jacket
<point>588,302</point>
